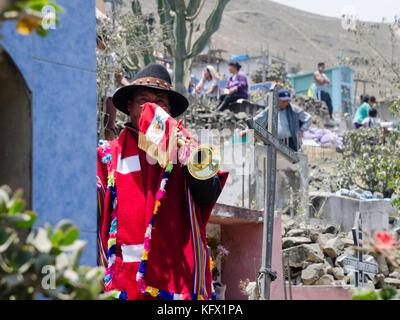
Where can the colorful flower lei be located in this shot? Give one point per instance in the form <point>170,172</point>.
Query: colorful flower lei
<point>112,240</point>
<point>143,288</point>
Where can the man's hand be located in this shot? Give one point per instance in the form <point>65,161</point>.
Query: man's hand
<point>183,150</point>
<point>226,91</point>
<point>243,133</point>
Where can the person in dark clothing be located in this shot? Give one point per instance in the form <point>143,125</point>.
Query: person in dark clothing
<point>236,87</point>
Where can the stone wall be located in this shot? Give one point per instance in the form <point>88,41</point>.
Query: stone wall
<point>313,255</point>
<point>203,114</point>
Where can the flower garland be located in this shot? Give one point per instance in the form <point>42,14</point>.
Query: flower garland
<point>112,240</point>
<point>143,288</point>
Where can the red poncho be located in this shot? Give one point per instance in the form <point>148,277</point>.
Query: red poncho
<point>177,265</point>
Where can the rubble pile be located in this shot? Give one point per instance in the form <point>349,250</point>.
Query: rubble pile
<point>318,109</point>
<point>313,255</point>
<point>211,119</point>
<point>203,114</point>
<point>322,180</point>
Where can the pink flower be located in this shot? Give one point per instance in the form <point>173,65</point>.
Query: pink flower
<point>223,250</point>
<point>385,240</point>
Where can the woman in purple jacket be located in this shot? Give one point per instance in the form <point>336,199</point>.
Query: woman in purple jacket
<point>236,87</point>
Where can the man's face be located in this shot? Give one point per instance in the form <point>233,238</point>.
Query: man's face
<point>371,103</point>
<point>322,68</point>
<point>283,104</point>
<point>142,96</point>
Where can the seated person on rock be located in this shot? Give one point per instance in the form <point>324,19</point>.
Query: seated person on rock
<point>236,87</point>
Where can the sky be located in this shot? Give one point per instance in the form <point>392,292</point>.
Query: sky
<point>366,10</point>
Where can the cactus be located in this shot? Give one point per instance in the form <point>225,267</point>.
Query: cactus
<point>178,21</point>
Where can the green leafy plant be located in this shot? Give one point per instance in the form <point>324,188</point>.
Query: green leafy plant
<point>371,160</point>
<point>45,262</point>
<point>277,72</point>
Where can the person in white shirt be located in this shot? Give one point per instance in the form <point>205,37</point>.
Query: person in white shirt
<point>209,83</point>
<point>371,121</point>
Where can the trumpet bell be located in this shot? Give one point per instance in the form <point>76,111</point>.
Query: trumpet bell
<point>205,162</point>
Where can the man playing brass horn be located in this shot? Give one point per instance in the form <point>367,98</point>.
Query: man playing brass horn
<point>152,220</point>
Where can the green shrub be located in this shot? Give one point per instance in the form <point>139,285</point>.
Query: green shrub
<point>371,160</point>
<point>46,262</point>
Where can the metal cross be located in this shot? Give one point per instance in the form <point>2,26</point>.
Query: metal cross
<point>273,145</point>
<point>356,263</point>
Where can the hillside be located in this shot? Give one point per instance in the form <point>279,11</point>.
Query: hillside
<point>299,37</point>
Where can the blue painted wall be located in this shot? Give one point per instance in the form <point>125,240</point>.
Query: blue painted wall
<point>60,70</point>
<point>340,77</point>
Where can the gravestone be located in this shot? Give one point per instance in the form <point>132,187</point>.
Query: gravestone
<point>341,210</point>
<point>59,123</point>
<point>357,263</point>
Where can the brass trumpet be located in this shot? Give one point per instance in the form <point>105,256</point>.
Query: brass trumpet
<point>204,161</point>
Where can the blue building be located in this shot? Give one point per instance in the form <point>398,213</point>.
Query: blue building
<point>48,120</point>
<point>341,88</point>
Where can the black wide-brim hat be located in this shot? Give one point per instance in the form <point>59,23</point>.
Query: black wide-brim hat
<point>154,76</point>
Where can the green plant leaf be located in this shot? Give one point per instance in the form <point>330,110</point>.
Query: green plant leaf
<point>69,236</point>
<point>17,206</point>
<point>42,32</point>
<point>43,259</point>
<point>7,237</point>
<point>49,229</point>
<point>387,293</point>
<point>63,225</point>
<point>364,294</point>
<point>57,7</point>
<point>24,260</point>
<point>56,238</point>
<point>4,265</point>
<point>23,220</point>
